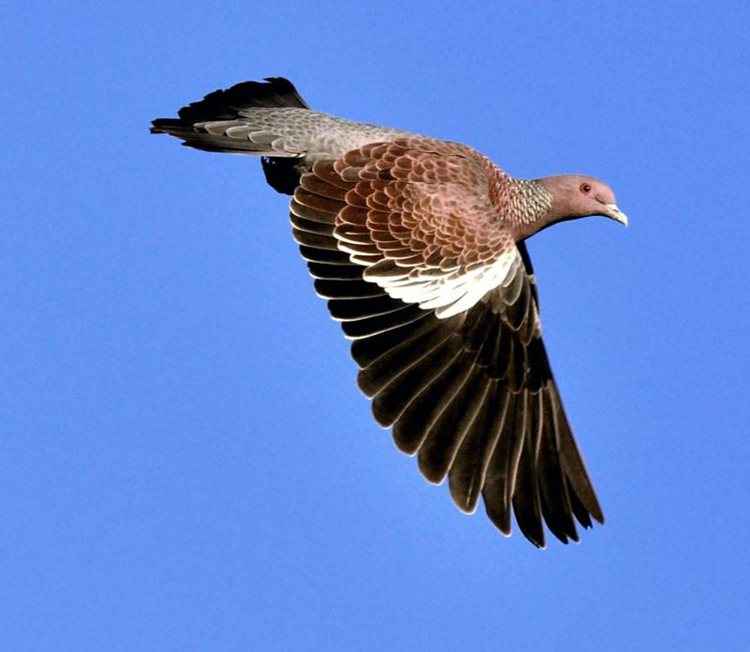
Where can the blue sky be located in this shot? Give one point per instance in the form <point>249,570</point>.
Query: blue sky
<point>186,463</point>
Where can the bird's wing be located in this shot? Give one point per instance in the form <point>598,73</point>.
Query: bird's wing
<point>444,316</point>
<point>420,219</point>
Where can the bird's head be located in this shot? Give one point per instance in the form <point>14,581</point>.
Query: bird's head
<point>574,196</point>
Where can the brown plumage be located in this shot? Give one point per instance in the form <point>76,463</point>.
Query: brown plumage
<point>418,246</point>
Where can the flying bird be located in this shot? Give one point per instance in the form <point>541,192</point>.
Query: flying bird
<point>418,246</point>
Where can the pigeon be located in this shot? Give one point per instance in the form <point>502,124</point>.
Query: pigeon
<point>418,246</point>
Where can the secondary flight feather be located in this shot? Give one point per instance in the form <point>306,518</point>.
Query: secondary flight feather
<point>418,245</point>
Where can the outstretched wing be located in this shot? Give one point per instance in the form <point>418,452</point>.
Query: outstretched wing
<point>403,241</point>
<point>420,218</point>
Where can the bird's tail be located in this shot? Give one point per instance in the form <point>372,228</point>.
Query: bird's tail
<point>203,124</point>
<point>214,123</point>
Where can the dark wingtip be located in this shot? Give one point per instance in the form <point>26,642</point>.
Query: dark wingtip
<point>539,546</point>
<point>366,385</point>
<point>383,418</point>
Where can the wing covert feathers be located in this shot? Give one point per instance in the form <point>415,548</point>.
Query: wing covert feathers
<point>470,392</point>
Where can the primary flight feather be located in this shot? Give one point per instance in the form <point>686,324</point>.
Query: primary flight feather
<point>418,246</point>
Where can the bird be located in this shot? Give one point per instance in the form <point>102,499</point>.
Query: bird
<point>418,245</point>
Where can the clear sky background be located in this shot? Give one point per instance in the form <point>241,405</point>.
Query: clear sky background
<point>185,460</point>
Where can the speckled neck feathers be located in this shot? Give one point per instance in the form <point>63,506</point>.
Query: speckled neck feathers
<point>522,205</point>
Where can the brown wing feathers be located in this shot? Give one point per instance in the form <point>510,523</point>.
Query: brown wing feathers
<point>472,395</point>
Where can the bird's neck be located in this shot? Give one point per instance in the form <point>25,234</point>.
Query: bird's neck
<point>528,206</point>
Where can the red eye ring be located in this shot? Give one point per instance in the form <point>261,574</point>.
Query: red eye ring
<point>585,187</point>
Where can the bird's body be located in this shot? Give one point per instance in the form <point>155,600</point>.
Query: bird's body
<point>418,245</point>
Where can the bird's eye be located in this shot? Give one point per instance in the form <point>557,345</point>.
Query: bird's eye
<point>585,187</point>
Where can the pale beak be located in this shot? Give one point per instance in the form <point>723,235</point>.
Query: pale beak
<point>611,210</point>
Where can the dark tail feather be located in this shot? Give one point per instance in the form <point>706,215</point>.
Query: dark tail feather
<point>225,104</point>
<point>282,173</point>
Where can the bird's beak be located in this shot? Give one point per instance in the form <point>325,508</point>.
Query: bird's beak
<point>611,210</point>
